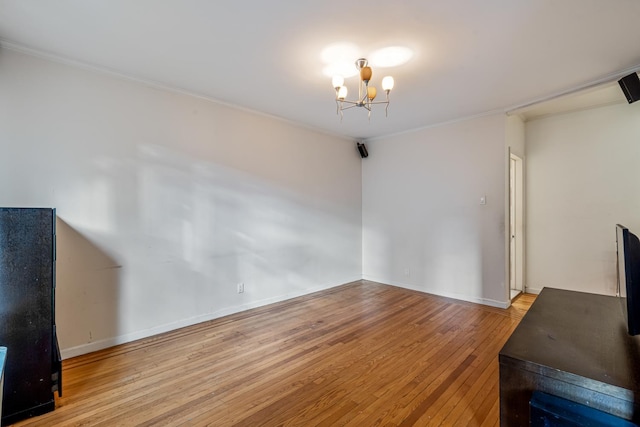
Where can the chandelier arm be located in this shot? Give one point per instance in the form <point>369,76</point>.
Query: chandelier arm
<point>386,109</point>
<point>349,107</point>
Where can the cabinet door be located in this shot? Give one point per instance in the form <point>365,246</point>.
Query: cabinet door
<point>26,309</point>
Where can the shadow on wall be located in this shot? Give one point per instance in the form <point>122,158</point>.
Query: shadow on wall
<point>88,288</point>
<point>161,240</point>
<point>214,226</point>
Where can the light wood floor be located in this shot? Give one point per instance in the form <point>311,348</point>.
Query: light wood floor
<point>361,354</point>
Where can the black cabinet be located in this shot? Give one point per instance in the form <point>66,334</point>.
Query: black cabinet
<point>27,312</point>
<point>572,346</point>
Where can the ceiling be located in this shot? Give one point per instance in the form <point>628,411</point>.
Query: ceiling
<point>469,57</point>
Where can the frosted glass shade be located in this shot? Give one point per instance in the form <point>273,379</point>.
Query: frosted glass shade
<point>365,74</point>
<point>387,83</point>
<point>342,92</point>
<point>371,93</point>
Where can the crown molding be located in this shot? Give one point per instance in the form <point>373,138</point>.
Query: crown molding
<point>607,78</point>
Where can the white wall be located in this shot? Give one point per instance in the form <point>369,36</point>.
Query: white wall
<point>582,177</point>
<point>166,201</point>
<point>515,134</point>
<point>423,225</point>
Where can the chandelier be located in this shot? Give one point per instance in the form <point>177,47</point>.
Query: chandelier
<point>366,93</point>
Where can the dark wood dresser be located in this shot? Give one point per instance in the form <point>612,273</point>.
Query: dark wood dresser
<point>575,346</point>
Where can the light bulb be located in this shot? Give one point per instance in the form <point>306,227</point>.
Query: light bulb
<point>337,81</point>
<point>387,83</point>
<point>342,93</point>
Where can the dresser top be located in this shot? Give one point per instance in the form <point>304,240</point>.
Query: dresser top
<point>579,338</point>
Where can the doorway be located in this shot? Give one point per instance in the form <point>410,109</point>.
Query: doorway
<point>516,229</point>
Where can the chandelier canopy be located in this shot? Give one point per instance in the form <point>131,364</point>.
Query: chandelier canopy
<point>366,93</point>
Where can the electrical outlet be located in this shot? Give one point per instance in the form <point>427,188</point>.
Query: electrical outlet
<point>407,272</point>
<point>240,288</point>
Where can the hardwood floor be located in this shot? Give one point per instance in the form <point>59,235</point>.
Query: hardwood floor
<point>362,354</point>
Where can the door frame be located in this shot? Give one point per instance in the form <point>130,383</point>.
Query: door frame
<point>515,271</point>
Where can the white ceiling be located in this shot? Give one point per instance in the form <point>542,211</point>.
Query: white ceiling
<point>470,57</point>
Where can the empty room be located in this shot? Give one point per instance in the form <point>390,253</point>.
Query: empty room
<point>339,213</point>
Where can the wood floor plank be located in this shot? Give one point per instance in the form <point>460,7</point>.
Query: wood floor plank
<point>358,354</point>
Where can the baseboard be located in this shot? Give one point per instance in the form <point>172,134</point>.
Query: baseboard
<point>461,297</point>
<point>133,336</point>
<point>529,290</point>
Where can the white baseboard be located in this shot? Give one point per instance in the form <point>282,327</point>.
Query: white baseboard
<point>462,297</point>
<point>79,350</point>
<point>529,290</point>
